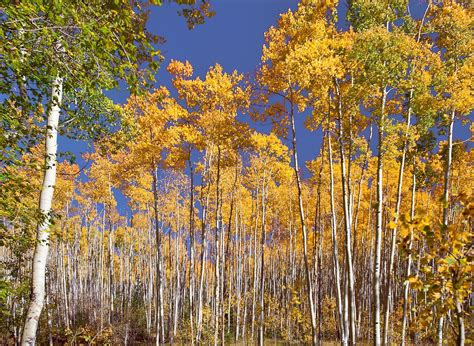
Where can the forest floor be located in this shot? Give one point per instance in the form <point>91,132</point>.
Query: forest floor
<point>277,342</point>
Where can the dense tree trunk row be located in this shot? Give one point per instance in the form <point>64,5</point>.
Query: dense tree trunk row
<point>137,277</point>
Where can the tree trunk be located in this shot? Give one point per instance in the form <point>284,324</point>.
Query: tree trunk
<point>335,251</point>
<point>159,285</point>
<point>191,248</point>
<point>255,278</point>
<point>261,329</point>
<point>378,235</point>
<point>203,247</point>
<point>46,199</point>
<point>303,229</point>
<point>217,254</point>
<point>447,181</point>
<point>347,223</point>
<point>409,261</point>
<point>461,329</point>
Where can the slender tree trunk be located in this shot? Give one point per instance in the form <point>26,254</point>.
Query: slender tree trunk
<point>245,272</point>
<point>309,286</point>
<point>347,223</point>
<point>239,272</point>
<point>319,243</point>
<point>378,235</point>
<point>48,314</point>
<point>203,247</point>
<point>447,173</point>
<point>218,250</point>
<point>129,294</point>
<point>365,167</point>
<point>447,182</point>
<point>335,252</point>
<point>261,329</point>
<point>461,330</point>
<point>255,278</point>
<point>191,248</point>
<point>177,292</point>
<point>46,198</point>
<point>159,285</point>
<point>406,290</point>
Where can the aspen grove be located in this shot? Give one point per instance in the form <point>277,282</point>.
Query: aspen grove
<point>189,224</point>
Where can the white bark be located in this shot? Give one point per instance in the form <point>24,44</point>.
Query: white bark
<point>378,236</point>
<point>191,250</point>
<point>217,287</point>
<point>406,289</point>
<point>347,225</point>
<point>447,181</point>
<point>461,329</point>
<point>309,286</point>
<point>46,198</point>
<point>335,254</point>
<point>261,328</point>
<point>207,168</point>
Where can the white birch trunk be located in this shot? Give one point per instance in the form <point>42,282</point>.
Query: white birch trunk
<point>406,290</point>
<point>46,199</point>
<point>348,228</point>
<point>378,235</point>
<point>447,180</point>
<point>309,286</point>
<point>335,254</point>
